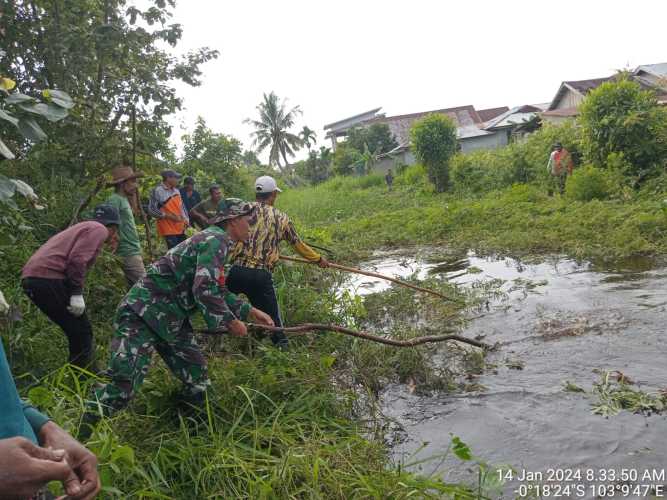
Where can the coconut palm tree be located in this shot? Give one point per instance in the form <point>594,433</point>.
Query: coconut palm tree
<point>308,137</point>
<point>272,130</point>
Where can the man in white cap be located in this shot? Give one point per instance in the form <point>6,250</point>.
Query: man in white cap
<point>255,258</point>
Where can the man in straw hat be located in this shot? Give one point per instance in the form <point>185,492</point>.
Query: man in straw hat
<point>124,182</point>
<point>154,315</point>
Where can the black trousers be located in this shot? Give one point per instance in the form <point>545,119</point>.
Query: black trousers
<point>174,239</point>
<point>52,298</point>
<point>257,285</point>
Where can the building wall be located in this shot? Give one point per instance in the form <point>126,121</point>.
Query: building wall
<point>492,141</point>
<point>405,158</point>
<point>569,100</point>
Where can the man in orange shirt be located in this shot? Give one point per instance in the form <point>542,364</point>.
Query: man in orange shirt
<point>166,205</point>
<point>560,166</point>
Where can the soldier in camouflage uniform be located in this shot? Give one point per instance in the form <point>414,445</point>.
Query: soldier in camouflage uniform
<point>154,315</point>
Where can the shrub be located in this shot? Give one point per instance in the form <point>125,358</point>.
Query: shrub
<point>412,175</point>
<point>620,117</point>
<point>344,160</point>
<point>377,138</point>
<point>588,183</point>
<point>434,143</point>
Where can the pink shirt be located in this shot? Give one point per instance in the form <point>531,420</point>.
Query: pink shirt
<point>68,254</point>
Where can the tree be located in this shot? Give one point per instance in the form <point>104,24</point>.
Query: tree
<point>345,159</point>
<point>272,130</point>
<point>316,167</point>
<point>619,118</point>
<point>250,159</point>
<point>434,143</point>
<point>308,137</point>
<point>217,155</point>
<point>377,138</point>
<point>113,59</point>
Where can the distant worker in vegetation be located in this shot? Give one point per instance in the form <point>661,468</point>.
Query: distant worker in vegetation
<point>560,166</point>
<point>253,260</point>
<point>154,315</point>
<point>124,181</point>
<point>54,277</point>
<point>206,210</point>
<point>389,179</point>
<point>190,196</point>
<point>166,205</point>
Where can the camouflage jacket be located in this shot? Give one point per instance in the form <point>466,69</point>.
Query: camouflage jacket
<point>189,277</point>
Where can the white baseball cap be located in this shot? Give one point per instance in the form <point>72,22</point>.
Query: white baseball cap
<point>266,184</point>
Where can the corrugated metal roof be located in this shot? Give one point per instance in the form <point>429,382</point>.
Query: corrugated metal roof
<point>491,113</point>
<point>514,116</point>
<point>356,118</point>
<point>465,118</point>
<point>659,69</point>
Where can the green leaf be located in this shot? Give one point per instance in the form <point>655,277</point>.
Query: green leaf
<point>123,455</point>
<point>40,396</point>
<point>5,151</point>
<point>31,130</point>
<point>461,449</point>
<point>17,98</point>
<point>7,188</point>
<point>61,98</point>
<point>6,116</point>
<point>51,112</point>
<point>327,361</point>
<point>7,83</point>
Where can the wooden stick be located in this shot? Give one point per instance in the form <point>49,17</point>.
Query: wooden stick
<point>84,203</point>
<point>310,327</point>
<point>144,219</point>
<point>374,275</point>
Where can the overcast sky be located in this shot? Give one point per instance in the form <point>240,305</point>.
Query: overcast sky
<point>337,59</point>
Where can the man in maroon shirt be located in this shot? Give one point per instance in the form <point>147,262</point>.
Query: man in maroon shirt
<point>53,278</point>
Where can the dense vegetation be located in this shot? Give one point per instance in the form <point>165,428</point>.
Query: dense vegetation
<point>303,423</point>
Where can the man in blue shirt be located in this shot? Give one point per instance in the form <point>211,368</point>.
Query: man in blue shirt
<point>34,450</point>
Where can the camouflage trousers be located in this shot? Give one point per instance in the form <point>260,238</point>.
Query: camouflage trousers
<point>132,347</point>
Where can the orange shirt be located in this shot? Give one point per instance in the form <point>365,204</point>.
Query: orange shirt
<point>166,227</point>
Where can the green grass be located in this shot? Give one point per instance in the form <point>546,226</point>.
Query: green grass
<point>354,220</point>
<point>301,424</point>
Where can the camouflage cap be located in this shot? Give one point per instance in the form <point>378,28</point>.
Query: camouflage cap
<point>231,208</point>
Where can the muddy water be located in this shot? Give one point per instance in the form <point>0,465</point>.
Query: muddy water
<point>573,319</point>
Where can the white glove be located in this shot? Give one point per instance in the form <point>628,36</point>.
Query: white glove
<point>76,305</point>
<point>4,307</point>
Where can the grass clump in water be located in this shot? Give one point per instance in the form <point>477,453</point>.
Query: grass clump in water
<point>614,393</point>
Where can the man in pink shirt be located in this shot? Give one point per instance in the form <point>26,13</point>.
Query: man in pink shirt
<point>54,276</point>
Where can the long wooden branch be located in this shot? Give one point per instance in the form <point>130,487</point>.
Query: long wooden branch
<point>84,203</point>
<point>373,275</point>
<point>311,327</point>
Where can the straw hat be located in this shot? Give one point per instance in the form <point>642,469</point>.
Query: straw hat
<point>121,174</point>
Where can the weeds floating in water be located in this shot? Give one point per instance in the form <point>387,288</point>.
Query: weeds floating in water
<point>570,387</point>
<point>615,394</point>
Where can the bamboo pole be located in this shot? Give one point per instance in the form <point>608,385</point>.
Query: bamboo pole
<point>373,275</point>
<point>311,327</point>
